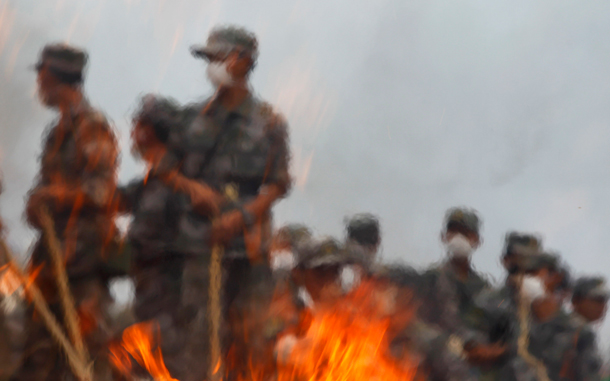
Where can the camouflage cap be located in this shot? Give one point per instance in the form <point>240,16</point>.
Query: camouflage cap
<point>327,252</point>
<point>226,39</point>
<point>521,244</point>
<point>63,60</point>
<point>591,287</point>
<point>292,234</point>
<point>463,218</point>
<point>364,229</point>
<point>539,261</point>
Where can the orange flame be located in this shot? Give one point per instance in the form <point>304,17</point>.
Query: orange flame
<point>348,341</point>
<point>139,342</point>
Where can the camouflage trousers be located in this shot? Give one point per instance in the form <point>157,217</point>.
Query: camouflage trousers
<point>157,298</point>
<point>43,359</point>
<point>246,292</point>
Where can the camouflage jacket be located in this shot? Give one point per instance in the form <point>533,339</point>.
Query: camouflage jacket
<point>587,362</point>
<point>450,301</point>
<point>500,320</point>
<point>80,152</point>
<point>155,210</point>
<point>235,152</point>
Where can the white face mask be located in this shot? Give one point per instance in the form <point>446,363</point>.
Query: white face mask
<point>532,288</point>
<point>218,74</point>
<point>459,246</point>
<point>350,278</point>
<point>282,260</point>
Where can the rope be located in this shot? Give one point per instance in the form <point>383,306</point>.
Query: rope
<point>67,301</point>
<point>215,311</point>
<point>523,341</point>
<point>78,366</point>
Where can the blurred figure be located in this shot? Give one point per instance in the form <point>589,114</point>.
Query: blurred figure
<point>499,311</point>
<point>234,145</point>
<point>286,244</point>
<point>448,291</point>
<point>362,243</point>
<point>411,339</point>
<point>76,183</point>
<point>589,301</point>
<point>551,333</point>
<point>157,264</point>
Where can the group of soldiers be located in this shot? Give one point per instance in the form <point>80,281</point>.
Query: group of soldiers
<point>215,169</point>
<point>539,325</point>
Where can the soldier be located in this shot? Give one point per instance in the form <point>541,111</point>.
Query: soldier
<point>362,243</point>
<point>411,336</point>
<point>286,244</point>
<point>76,182</point>
<point>317,281</point>
<point>551,332</point>
<point>157,265</point>
<point>498,359</point>
<point>450,289</point>
<point>589,301</point>
<point>235,144</point>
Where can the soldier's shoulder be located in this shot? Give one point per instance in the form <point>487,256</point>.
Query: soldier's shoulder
<point>274,118</point>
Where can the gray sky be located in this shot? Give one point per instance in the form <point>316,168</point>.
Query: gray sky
<point>401,108</point>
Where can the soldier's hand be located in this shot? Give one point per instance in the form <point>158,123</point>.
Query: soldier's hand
<point>482,354</point>
<point>226,227</point>
<point>49,197</point>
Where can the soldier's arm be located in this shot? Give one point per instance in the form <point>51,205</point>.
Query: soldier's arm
<point>96,150</point>
<point>277,180</point>
<point>204,199</point>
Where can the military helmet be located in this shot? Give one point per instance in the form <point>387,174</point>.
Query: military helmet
<point>226,39</point>
<point>462,219</point>
<point>64,61</point>
<point>364,229</point>
<point>591,287</point>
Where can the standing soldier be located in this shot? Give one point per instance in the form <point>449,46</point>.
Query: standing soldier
<point>450,289</point>
<point>237,145</point>
<point>76,183</point>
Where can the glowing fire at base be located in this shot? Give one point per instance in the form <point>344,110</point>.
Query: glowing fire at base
<point>141,342</point>
<point>348,341</point>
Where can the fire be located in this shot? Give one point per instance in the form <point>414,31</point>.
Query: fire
<point>141,342</point>
<point>345,341</point>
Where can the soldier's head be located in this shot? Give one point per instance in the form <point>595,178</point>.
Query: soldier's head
<point>286,244</point>
<point>231,53</point>
<point>460,233</point>
<point>517,248</point>
<point>542,276</point>
<point>363,229</point>
<point>152,122</point>
<point>590,298</point>
<point>60,70</point>
<point>319,268</point>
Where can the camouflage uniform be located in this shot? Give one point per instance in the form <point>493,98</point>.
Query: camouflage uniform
<point>438,360</point>
<point>79,152</point>
<point>450,299</point>
<point>237,153</point>
<point>580,357</point>
<point>499,311</point>
<point>157,265</point>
